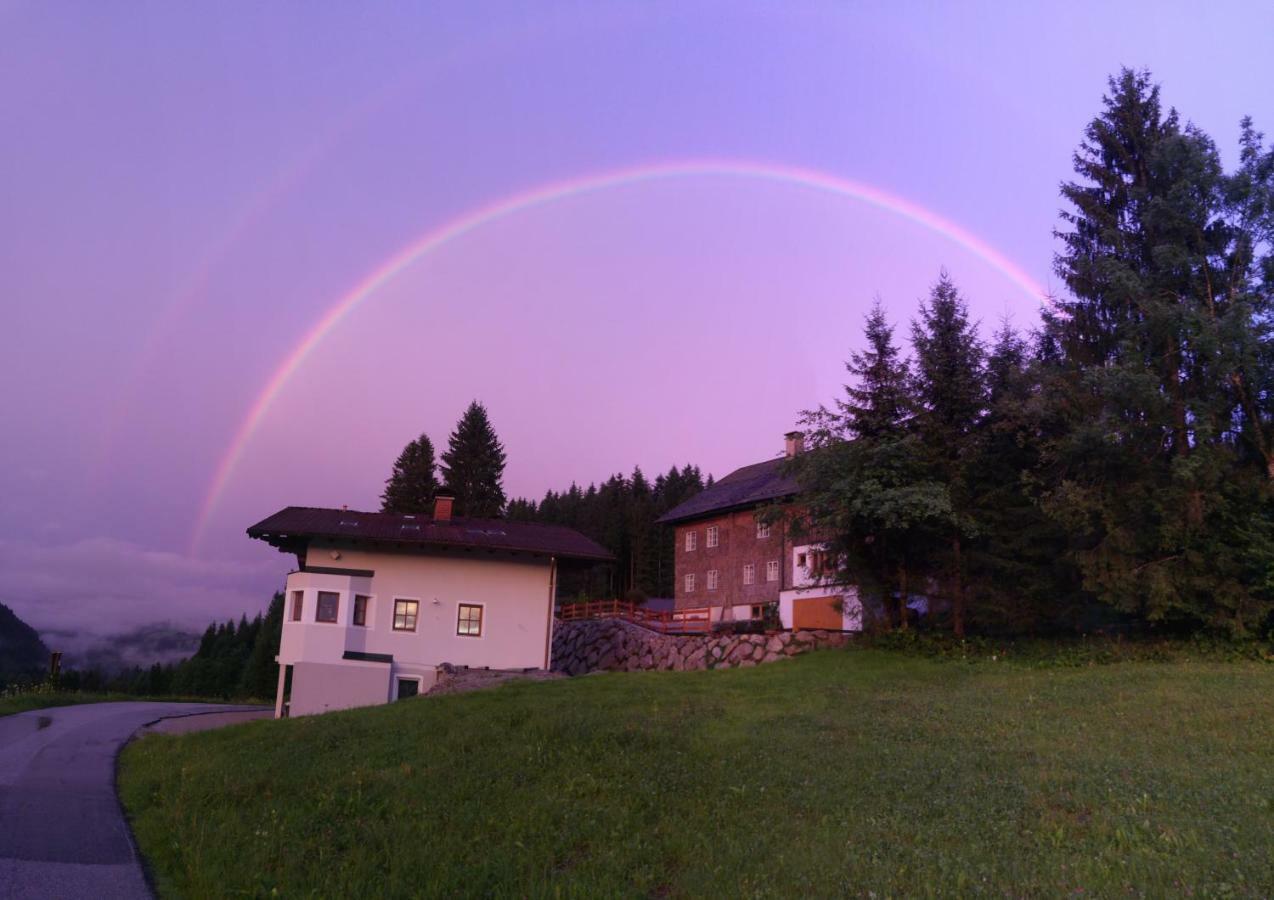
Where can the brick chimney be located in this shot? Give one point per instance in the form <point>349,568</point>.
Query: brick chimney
<point>443,500</point>
<point>793,443</point>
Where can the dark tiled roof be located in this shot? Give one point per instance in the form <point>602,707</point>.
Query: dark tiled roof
<point>290,528</point>
<point>742,488</point>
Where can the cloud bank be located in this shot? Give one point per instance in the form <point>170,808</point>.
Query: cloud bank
<point>101,586</point>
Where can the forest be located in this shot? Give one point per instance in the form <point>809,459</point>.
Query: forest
<point>1111,469</point>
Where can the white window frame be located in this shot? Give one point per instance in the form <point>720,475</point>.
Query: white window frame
<point>772,570</point>
<point>762,530</point>
<point>692,541</point>
<point>714,537</point>
<point>749,573</point>
<point>714,577</point>
<point>690,582</point>
<point>420,683</point>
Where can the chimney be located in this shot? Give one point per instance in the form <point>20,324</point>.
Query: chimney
<point>793,443</point>
<point>442,505</point>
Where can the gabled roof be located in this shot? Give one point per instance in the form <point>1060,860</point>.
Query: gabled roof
<point>743,488</point>
<point>292,528</point>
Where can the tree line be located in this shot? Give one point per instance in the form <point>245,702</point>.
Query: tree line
<point>472,471</point>
<point>1115,465</point>
<point>620,514</point>
<point>232,661</point>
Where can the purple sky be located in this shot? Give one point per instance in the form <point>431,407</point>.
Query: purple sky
<point>188,188</point>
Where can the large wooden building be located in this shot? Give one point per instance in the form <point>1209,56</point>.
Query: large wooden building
<point>731,559</point>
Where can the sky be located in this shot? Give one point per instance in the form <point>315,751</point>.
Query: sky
<point>249,251</point>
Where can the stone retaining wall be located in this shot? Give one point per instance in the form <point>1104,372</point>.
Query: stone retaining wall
<point>612,645</point>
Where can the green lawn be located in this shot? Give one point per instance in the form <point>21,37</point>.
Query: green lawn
<point>842,772</point>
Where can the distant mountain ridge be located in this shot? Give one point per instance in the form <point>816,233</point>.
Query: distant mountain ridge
<point>22,653</point>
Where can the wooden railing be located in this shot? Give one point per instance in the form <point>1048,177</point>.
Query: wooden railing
<point>676,621</point>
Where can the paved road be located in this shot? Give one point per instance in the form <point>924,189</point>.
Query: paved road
<point>62,832</point>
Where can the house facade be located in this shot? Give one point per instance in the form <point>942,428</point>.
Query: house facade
<point>379,601</point>
<point>742,564</point>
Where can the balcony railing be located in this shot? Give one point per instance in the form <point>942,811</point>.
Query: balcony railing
<point>676,621</point>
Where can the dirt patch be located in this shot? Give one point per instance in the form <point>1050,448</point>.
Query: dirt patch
<point>459,679</point>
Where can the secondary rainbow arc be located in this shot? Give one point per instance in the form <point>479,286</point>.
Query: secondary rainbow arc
<point>440,235</point>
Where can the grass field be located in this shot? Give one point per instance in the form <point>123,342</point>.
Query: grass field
<point>41,700</point>
<point>842,772</point>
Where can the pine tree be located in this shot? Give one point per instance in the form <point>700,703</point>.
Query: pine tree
<point>949,395</point>
<point>866,491</point>
<point>473,466</point>
<point>411,487</point>
<point>1162,460</point>
<point>877,398</point>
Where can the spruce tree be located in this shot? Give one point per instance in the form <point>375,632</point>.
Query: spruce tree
<point>876,401</point>
<point>411,487</point>
<point>866,492</point>
<point>949,394</point>
<point>473,466</point>
<point>1162,460</point>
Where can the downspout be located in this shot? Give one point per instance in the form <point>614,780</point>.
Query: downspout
<point>548,637</point>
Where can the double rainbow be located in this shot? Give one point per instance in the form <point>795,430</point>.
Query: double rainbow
<point>543,195</point>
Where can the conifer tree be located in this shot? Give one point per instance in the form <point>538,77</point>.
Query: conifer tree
<point>411,486</point>
<point>865,489</point>
<point>473,465</point>
<point>949,395</point>
<point>1162,462</point>
<point>876,403</point>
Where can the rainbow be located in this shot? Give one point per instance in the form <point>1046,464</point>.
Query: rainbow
<point>553,192</point>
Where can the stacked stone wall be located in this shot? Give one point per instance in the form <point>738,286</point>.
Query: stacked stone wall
<point>611,645</point>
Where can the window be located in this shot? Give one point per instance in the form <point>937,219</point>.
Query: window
<point>408,687</point>
<point>749,574</point>
<point>772,570</point>
<point>818,563</point>
<point>692,540</point>
<point>469,621</point>
<point>690,583</point>
<point>328,601</point>
<point>758,611</point>
<point>405,612</point>
<point>297,603</point>
<point>801,560</point>
<point>360,610</point>
<point>712,580</point>
<point>714,535</point>
<point>762,530</point>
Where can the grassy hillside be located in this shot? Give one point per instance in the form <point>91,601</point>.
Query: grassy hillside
<point>839,772</point>
<point>27,701</point>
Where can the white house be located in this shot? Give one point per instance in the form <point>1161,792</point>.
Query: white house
<point>380,600</point>
<point>816,597</point>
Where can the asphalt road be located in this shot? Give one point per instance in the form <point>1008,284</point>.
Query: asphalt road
<point>62,832</point>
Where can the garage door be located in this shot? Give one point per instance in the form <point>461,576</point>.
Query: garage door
<point>817,612</point>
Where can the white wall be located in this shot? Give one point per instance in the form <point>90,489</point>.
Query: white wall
<point>516,620</point>
<point>851,607</point>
